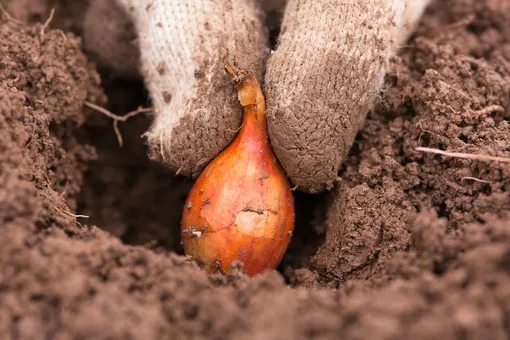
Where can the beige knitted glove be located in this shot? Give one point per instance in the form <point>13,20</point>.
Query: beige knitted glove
<point>323,78</point>
<point>320,82</point>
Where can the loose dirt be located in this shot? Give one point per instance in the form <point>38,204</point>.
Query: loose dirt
<point>409,244</point>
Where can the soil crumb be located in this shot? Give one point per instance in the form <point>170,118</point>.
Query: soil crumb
<point>408,245</point>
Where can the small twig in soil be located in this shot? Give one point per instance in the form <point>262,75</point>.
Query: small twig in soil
<point>48,21</point>
<point>474,61</point>
<point>418,125</point>
<point>489,109</point>
<point>70,213</point>
<point>452,27</point>
<point>62,33</point>
<point>464,155</point>
<point>117,118</point>
<point>475,179</point>
<point>458,24</point>
<point>462,93</point>
<point>64,191</point>
<point>7,15</point>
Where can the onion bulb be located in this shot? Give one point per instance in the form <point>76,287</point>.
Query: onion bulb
<point>241,207</point>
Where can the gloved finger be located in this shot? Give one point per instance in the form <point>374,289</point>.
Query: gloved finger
<point>322,80</point>
<point>110,37</point>
<point>181,44</point>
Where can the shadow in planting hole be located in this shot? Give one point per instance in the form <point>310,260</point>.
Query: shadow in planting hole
<point>308,233</point>
<point>124,192</point>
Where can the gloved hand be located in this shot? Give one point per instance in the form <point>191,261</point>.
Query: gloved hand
<point>321,81</point>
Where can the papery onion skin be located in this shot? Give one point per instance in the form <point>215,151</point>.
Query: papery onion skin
<point>241,207</point>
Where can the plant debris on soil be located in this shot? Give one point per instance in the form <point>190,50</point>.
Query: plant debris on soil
<point>409,244</point>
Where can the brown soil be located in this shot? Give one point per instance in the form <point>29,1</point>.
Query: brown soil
<point>409,244</point>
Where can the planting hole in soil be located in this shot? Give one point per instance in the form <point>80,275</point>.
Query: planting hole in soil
<point>411,241</point>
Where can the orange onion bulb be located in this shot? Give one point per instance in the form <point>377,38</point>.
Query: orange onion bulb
<point>241,206</point>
